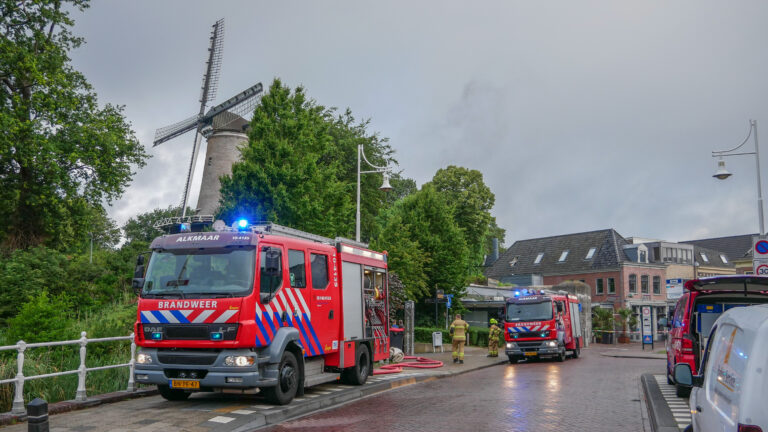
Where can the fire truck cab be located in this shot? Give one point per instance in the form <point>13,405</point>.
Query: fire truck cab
<point>542,324</point>
<point>265,307</point>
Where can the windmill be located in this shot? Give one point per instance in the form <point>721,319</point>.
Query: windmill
<point>223,125</point>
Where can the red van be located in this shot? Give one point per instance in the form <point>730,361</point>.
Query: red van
<point>697,310</point>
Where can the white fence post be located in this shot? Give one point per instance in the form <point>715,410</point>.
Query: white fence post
<point>80,396</point>
<point>132,365</point>
<point>18,399</point>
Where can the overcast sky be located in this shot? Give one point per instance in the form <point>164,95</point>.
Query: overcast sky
<point>580,115</point>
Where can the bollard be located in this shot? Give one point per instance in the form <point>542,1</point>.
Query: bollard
<point>37,416</point>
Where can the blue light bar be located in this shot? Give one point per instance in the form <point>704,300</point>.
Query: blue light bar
<point>517,293</point>
<point>242,223</point>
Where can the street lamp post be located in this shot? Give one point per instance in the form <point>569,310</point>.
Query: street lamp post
<point>722,173</point>
<point>384,185</point>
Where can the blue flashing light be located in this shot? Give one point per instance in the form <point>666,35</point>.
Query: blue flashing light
<point>517,293</point>
<point>157,335</point>
<point>242,223</point>
<point>525,291</point>
<point>185,227</point>
<point>217,336</point>
<point>544,334</point>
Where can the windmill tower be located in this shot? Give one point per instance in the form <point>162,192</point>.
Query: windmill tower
<point>223,126</point>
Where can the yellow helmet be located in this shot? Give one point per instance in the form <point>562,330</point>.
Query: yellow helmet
<point>493,321</point>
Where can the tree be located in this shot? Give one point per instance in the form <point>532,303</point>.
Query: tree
<point>142,226</point>
<point>426,246</point>
<point>62,154</point>
<point>472,201</point>
<point>300,166</point>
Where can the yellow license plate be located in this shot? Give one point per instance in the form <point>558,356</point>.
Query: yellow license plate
<point>531,353</point>
<point>185,384</point>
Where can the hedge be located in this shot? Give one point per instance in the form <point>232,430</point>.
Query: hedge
<point>477,336</point>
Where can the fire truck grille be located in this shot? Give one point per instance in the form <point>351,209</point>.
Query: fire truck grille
<point>196,359</point>
<point>527,334</point>
<point>529,345</point>
<point>187,332</point>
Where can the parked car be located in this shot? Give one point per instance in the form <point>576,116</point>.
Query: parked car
<point>731,389</point>
<point>697,310</point>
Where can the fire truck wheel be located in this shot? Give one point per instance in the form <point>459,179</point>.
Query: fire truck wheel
<point>287,381</point>
<point>358,374</point>
<point>172,394</point>
<point>577,350</point>
<point>561,357</point>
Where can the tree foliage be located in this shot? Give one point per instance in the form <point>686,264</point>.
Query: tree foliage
<point>300,166</point>
<point>472,201</point>
<point>62,154</point>
<point>142,226</point>
<point>425,244</point>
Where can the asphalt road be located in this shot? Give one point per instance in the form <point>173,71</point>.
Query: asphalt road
<point>592,393</point>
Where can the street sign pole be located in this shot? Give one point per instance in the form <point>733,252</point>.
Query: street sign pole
<point>646,329</point>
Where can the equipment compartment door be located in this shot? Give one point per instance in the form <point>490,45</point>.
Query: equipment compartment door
<point>352,275</point>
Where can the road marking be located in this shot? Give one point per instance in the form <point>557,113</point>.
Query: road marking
<point>679,407</point>
<point>220,419</point>
<point>243,412</point>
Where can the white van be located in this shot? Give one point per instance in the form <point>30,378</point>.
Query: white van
<point>731,391</point>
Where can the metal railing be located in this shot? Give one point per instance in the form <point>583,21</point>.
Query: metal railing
<point>21,346</point>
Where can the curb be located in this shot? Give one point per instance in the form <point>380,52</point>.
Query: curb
<point>659,414</point>
<point>640,356</point>
<point>7,419</point>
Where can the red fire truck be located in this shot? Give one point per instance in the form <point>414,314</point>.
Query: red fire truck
<point>540,324</point>
<point>263,307</point>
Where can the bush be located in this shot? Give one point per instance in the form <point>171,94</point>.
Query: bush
<point>477,336</point>
<point>42,319</point>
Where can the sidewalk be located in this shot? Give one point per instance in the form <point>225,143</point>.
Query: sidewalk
<point>203,411</point>
<point>631,350</point>
<point>474,358</point>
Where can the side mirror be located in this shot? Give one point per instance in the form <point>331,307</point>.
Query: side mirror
<point>140,260</point>
<point>137,284</point>
<point>685,377</point>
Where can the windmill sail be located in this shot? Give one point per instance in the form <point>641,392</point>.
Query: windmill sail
<point>210,86</point>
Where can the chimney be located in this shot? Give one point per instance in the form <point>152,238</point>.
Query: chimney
<point>495,253</point>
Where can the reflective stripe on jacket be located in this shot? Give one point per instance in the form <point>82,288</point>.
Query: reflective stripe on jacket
<point>460,329</point>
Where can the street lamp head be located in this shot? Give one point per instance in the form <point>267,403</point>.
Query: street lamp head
<point>721,173</point>
<point>385,186</point>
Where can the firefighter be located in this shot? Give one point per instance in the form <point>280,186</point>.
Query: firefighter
<point>459,330</point>
<point>493,339</point>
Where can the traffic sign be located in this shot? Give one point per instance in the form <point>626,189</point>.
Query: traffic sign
<point>761,268</point>
<point>761,248</point>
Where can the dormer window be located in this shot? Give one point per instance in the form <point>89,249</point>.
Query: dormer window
<point>642,256</point>
<point>725,260</point>
<point>704,257</point>
<point>538,258</point>
<point>590,253</point>
<point>514,261</point>
<point>563,256</point>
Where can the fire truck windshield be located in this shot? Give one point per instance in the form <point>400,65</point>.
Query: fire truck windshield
<point>196,274</point>
<point>529,311</point>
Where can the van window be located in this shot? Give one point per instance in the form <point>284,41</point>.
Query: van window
<point>319,266</point>
<point>298,271</point>
<point>728,363</point>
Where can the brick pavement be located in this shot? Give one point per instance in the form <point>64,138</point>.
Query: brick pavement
<point>225,412</point>
<point>592,393</point>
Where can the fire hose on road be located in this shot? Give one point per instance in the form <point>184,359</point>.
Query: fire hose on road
<point>419,363</point>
